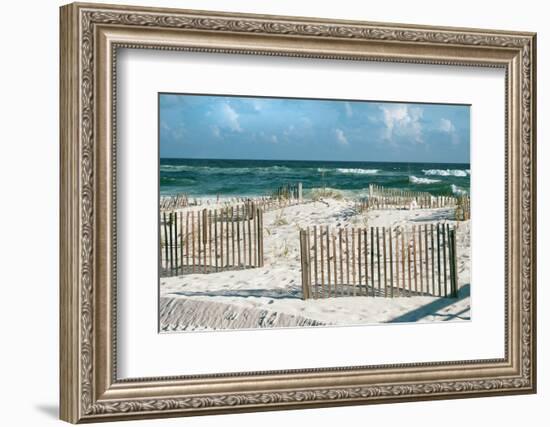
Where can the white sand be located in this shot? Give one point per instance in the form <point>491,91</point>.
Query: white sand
<point>271,296</point>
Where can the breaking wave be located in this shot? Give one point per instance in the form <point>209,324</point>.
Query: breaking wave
<point>458,191</point>
<point>354,171</point>
<point>414,180</point>
<point>447,172</point>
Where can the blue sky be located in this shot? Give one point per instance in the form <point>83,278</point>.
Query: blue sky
<point>223,127</point>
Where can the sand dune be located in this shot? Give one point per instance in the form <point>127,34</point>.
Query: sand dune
<point>271,296</point>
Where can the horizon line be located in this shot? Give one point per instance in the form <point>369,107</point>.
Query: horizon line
<point>298,160</point>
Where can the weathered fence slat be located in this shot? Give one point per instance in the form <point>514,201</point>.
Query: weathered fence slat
<point>414,258</point>
<point>404,255</point>
<point>341,262</point>
<point>347,259</point>
<point>408,266</point>
<point>455,267</point>
<point>222,220</point>
<point>353,276</point>
<point>366,255</point>
<point>432,256</point>
<point>391,262</point>
<point>378,260</point>
<point>444,260</point>
<point>385,262</point>
<point>328,259</point>
<point>315,261</point>
<point>322,262</point>
<point>305,262</point>
<point>199,240</point>
<point>249,234</point>
<point>308,252</point>
<point>216,237</point>
<point>439,259</point>
<point>359,257</point>
<point>334,260</point>
<point>427,259</point>
<point>420,258</point>
<point>372,259</point>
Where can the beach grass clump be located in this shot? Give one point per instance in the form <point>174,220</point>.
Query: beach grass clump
<point>360,220</point>
<point>283,251</point>
<point>326,193</point>
<point>280,219</point>
<point>364,219</point>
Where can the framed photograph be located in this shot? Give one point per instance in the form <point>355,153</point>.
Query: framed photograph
<point>266,212</point>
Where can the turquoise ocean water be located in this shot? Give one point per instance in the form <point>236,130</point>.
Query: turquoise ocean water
<point>208,177</point>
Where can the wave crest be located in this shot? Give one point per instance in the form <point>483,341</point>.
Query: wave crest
<point>458,191</point>
<point>355,171</point>
<point>415,180</point>
<point>447,172</point>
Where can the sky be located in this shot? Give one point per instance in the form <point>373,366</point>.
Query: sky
<point>226,127</point>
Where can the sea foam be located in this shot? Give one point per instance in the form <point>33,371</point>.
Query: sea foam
<point>458,191</point>
<point>354,171</point>
<point>447,172</point>
<point>414,180</point>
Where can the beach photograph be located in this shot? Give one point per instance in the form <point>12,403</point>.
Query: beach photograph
<point>291,212</point>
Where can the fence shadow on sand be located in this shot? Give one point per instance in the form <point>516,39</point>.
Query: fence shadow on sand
<point>434,307</point>
<point>246,293</point>
<point>199,269</point>
<point>441,215</point>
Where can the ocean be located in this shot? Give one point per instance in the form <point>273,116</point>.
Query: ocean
<point>227,178</point>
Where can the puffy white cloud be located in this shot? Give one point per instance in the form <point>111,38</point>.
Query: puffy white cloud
<point>257,105</point>
<point>445,125</point>
<point>288,130</point>
<point>402,120</point>
<point>349,110</point>
<point>231,118</point>
<point>341,137</point>
<point>175,131</point>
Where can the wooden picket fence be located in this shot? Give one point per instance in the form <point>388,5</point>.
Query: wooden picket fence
<point>274,203</point>
<point>462,210</point>
<point>174,202</point>
<point>379,261</point>
<point>289,191</point>
<point>265,203</point>
<point>376,190</point>
<point>210,241</point>
<point>399,202</point>
<point>461,204</point>
<point>392,198</point>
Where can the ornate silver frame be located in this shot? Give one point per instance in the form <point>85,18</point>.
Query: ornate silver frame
<point>90,36</point>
